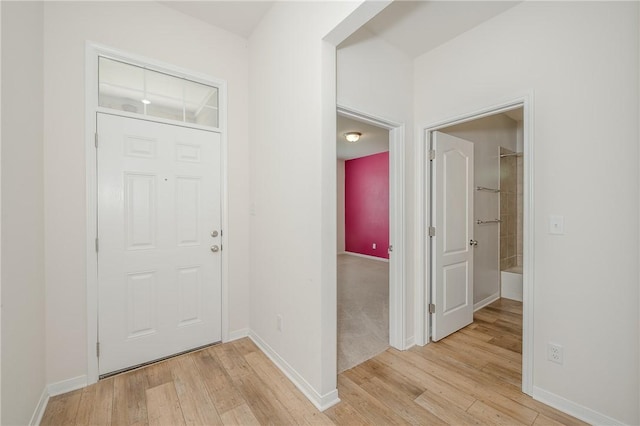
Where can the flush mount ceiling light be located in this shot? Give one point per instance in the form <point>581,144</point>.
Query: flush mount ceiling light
<point>352,136</point>
<point>146,101</point>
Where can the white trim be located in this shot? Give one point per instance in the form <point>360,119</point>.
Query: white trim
<point>422,319</point>
<point>528,225</point>
<point>526,101</point>
<point>486,301</point>
<point>91,100</point>
<point>321,402</point>
<point>365,256</point>
<point>576,410</point>
<point>342,252</point>
<point>68,385</point>
<point>36,418</point>
<point>92,51</point>
<point>397,285</point>
<point>103,110</point>
<point>409,342</point>
<point>237,334</point>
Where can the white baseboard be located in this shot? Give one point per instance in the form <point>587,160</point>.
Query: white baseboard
<point>486,301</point>
<point>36,418</point>
<point>409,342</point>
<point>237,334</point>
<point>342,252</point>
<point>576,410</point>
<point>322,402</point>
<point>67,385</point>
<point>366,256</point>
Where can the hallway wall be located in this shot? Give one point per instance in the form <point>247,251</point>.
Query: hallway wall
<point>584,86</point>
<point>293,184</point>
<point>23,278</point>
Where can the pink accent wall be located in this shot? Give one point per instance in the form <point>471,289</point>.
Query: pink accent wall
<point>367,205</point>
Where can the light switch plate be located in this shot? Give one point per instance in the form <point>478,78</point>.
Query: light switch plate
<point>556,225</point>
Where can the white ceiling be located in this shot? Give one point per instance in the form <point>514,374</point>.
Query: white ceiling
<point>238,17</point>
<point>416,27</point>
<point>373,140</point>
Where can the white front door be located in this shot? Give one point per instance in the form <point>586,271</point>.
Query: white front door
<point>159,237</point>
<point>452,252</point>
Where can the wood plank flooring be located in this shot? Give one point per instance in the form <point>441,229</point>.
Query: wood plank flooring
<point>470,378</point>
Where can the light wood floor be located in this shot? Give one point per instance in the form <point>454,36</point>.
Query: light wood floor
<point>471,377</point>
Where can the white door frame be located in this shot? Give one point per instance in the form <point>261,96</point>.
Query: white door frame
<point>397,297</point>
<point>423,325</point>
<point>92,52</point>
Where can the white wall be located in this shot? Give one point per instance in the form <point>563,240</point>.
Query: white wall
<point>488,135</point>
<point>376,78</point>
<point>293,184</point>
<point>23,289</point>
<point>155,31</point>
<point>581,61</point>
<point>340,201</point>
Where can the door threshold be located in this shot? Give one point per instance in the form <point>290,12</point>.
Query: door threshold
<point>155,361</point>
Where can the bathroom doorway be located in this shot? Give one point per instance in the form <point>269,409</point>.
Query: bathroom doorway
<point>497,237</point>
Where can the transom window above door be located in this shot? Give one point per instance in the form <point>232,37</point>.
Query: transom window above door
<point>138,90</point>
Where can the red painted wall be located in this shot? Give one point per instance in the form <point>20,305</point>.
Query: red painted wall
<point>367,205</point>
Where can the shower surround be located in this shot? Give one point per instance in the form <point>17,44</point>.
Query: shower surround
<point>511,210</point>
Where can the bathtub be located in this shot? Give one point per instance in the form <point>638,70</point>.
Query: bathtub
<point>511,283</point>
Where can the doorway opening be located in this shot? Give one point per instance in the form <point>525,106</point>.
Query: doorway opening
<point>363,241</point>
<point>479,247</point>
<point>370,297</point>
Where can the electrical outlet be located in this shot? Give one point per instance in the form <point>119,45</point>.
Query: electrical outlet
<point>554,353</point>
<point>374,246</point>
<point>279,322</point>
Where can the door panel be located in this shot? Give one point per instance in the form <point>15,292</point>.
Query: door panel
<point>452,216</point>
<point>159,284</point>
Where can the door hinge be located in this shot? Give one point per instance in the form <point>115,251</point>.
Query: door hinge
<point>432,231</point>
<point>97,245</point>
<point>96,139</point>
<point>432,308</point>
<point>432,155</point>
<point>98,349</point>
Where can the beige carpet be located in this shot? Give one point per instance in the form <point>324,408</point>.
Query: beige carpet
<point>363,309</point>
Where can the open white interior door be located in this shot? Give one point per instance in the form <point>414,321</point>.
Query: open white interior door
<point>452,245</point>
<point>159,257</point>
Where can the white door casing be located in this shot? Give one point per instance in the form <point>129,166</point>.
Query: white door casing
<point>159,198</point>
<point>452,251</point>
